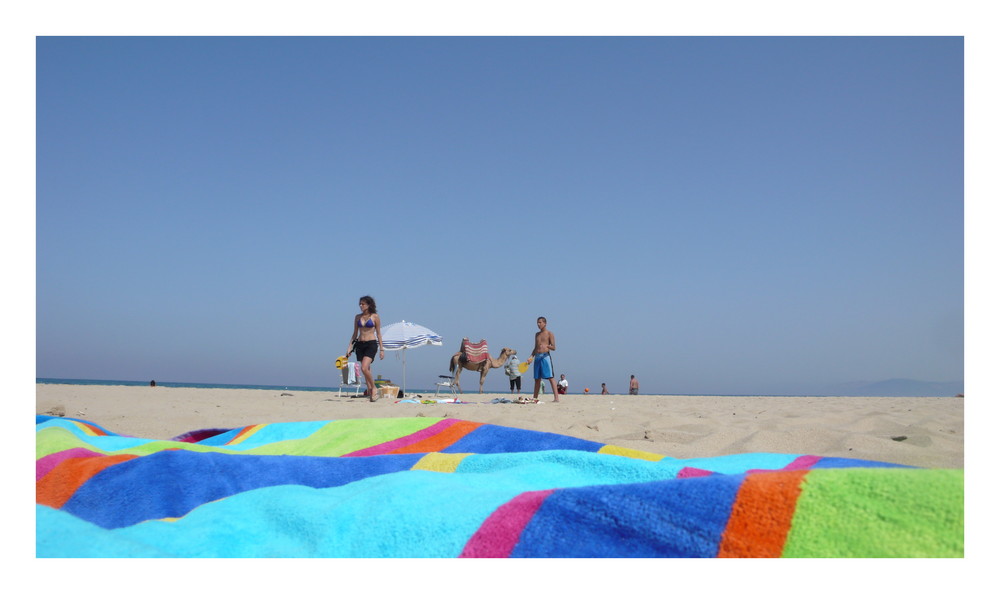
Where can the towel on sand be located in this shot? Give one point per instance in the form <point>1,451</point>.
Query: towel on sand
<point>424,487</point>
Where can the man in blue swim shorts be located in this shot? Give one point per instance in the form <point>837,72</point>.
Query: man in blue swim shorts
<point>545,342</point>
<point>543,367</point>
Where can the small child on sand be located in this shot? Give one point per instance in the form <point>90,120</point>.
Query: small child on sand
<point>545,342</point>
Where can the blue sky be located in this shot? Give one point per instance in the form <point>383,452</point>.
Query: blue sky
<point>714,215</point>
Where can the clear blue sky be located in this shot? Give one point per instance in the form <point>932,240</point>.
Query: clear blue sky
<point>714,215</point>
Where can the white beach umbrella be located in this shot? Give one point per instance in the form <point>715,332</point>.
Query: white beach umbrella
<point>407,335</point>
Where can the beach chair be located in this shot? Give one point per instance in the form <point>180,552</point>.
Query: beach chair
<point>447,381</point>
<point>351,377</point>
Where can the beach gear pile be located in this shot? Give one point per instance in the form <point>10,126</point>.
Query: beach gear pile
<point>427,487</point>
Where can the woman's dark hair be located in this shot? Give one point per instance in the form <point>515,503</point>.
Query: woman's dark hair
<point>371,303</point>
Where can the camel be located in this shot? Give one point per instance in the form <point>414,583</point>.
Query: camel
<point>483,367</point>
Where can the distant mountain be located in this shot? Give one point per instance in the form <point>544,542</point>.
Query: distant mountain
<point>896,387</point>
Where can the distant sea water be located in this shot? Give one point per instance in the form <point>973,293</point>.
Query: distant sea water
<point>87,382</point>
<point>90,382</point>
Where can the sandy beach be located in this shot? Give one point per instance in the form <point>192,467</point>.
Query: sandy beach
<point>925,432</point>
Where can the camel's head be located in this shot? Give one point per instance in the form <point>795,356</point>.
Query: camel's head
<point>508,351</point>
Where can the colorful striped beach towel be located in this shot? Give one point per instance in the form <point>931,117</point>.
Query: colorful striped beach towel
<point>426,487</point>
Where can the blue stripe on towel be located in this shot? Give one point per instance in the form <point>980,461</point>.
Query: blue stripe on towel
<point>679,518</point>
<point>494,439</point>
<point>171,483</point>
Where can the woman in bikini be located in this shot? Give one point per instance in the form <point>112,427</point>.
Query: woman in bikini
<point>366,340</point>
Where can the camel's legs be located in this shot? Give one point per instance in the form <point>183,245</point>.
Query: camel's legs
<point>458,372</point>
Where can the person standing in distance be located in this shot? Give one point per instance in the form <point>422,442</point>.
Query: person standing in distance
<point>366,340</point>
<point>633,386</point>
<point>513,373</point>
<point>545,342</point>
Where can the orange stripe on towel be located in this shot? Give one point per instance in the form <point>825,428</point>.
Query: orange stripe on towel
<point>89,429</point>
<point>58,486</point>
<point>245,433</point>
<point>762,514</point>
<point>441,440</point>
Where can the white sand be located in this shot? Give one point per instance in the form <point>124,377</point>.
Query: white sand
<point>928,432</point>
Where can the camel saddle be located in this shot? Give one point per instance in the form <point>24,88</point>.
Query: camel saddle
<point>475,352</point>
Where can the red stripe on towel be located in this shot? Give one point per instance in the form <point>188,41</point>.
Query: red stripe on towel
<point>499,534</point>
<point>90,427</point>
<point>242,434</point>
<point>435,443</point>
<point>389,447</point>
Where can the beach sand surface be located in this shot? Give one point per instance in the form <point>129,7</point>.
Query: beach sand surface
<point>924,432</point>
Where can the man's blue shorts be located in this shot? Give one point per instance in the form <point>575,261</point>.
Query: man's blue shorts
<point>543,366</point>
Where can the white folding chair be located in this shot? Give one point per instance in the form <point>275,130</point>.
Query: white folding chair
<point>447,381</point>
<point>351,378</point>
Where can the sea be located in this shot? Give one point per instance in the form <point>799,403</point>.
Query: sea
<point>936,391</point>
<point>88,382</point>
<point>92,382</point>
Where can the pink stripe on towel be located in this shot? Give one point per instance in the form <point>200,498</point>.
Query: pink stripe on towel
<point>45,464</point>
<point>691,472</point>
<point>803,463</point>
<point>389,446</point>
<point>498,535</point>
<point>799,463</point>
